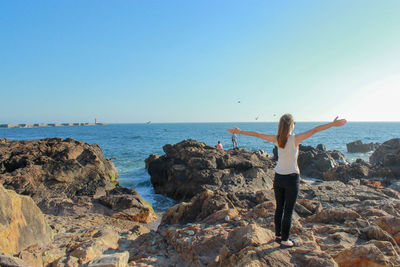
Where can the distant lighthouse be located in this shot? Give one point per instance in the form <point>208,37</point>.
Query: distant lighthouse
<point>95,121</point>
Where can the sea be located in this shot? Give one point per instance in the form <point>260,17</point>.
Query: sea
<point>131,144</point>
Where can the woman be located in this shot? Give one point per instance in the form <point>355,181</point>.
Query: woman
<point>287,173</point>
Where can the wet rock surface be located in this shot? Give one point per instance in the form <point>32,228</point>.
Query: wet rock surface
<point>383,167</point>
<point>359,147</point>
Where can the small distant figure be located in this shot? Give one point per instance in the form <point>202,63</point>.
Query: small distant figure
<point>219,145</point>
<point>239,102</point>
<point>234,141</point>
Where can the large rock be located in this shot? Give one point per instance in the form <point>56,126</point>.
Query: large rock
<point>10,261</point>
<point>189,167</point>
<point>249,235</point>
<point>110,260</point>
<point>55,167</point>
<point>127,204</point>
<point>356,170</point>
<point>22,224</point>
<point>314,162</point>
<point>66,177</point>
<point>359,147</point>
<point>387,159</point>
<point>364,255</point>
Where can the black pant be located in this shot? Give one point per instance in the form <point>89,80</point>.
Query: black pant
<point>286,188</point>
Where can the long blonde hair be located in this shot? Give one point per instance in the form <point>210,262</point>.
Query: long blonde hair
<point>283,129</point>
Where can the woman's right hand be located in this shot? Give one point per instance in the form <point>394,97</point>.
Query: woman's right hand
<point>234,130</point>
<point>337,123</point>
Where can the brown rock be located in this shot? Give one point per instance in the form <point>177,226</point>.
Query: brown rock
<point>345,173</point>
<point>55,167</point>
<point>10,261</point>
<point>200,207</point>
<point>334,215</point>
<point>22,224</point>
<point>359,147</point>
<point>189,167</point>
<point>312,258</point>
<point>315,162</point>
<point>391,225</point>
<point>387,159</point>
<point>363,255</point>
<point>375,232</point>
<point>102,239</point>
<point>110,260</point>
<point>69,261</point>
<point>127,204</point>
<point>250,235</point>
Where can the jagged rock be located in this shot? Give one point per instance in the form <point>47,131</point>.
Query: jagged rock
<point>386,158</point>
<point>199,208</point>
<point>376,233</point>
<point>396,186</point>
<point>101,240</point>
<point>363,255</point>
<point>315,162</point>
<point>334,215</point>
<point>128,204</point>
<point>345,173</point>
<point>65,177</point>
<point>55,167</point>
<point>22,224</point>
<point>249,235</point>
<point>359,147</point>
<point>390,224</point>
<point>189,167</point>
<point>110,260</point>
<point>10,261</point>
<point>151,158</point>
<point>69,261</point>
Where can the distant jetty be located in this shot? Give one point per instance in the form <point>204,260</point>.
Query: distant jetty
<point>35,125</point>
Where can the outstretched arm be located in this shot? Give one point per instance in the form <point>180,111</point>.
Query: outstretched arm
<point>267,137</point>
<point>303,136</point>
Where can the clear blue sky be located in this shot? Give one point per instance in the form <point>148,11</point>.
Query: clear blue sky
<point>192,61</point>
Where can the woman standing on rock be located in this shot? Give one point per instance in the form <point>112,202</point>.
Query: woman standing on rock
<point>287,173</point>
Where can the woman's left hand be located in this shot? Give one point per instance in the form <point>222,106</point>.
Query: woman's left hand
<point>338,123</point>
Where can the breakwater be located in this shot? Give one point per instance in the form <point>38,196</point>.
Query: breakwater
<point>25,125</point>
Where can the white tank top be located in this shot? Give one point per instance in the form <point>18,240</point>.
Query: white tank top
<point>287,157</point>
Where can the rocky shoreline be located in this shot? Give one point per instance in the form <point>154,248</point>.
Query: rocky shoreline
<point>74,213</point>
